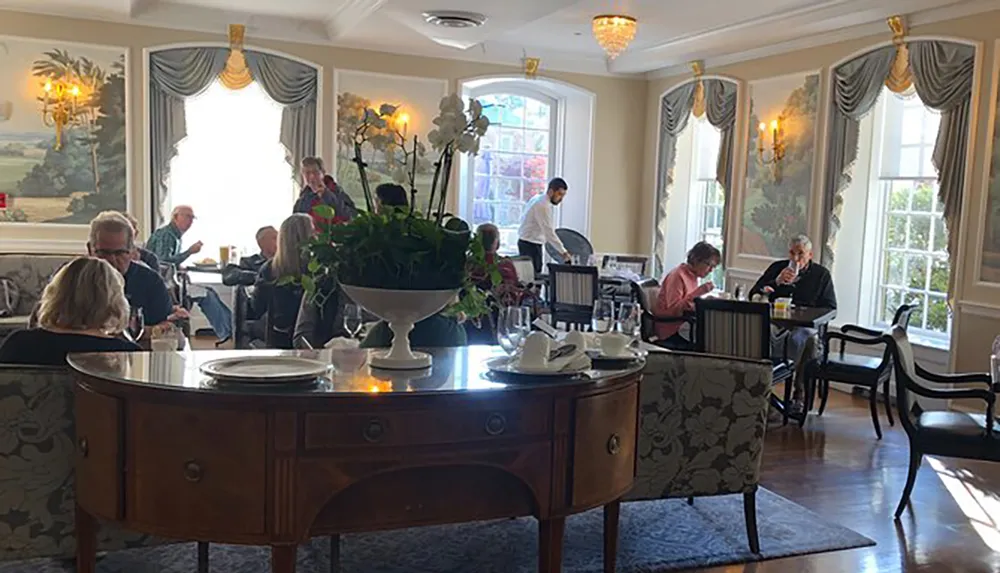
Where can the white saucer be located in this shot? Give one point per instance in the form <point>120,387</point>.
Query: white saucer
<point>629,354</point>
<point>510,365</point>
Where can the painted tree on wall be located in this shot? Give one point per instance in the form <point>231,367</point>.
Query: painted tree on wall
<point>777,210</point>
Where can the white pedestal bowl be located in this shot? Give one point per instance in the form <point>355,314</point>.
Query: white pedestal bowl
<point>401,309</point>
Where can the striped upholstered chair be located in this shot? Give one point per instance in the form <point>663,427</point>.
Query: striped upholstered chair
<point>738,328</point>
<point>573,292</point>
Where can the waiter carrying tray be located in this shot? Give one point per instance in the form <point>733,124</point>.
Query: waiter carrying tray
<point>536,225</point>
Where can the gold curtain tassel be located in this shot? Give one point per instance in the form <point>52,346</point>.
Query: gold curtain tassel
<point>236,74</point>
<point>698,106</point>
<point>900,78</point>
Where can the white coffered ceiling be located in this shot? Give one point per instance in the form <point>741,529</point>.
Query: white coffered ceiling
<point>671,33</point>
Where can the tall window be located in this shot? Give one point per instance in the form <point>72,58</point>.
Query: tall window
<point>514,162</point>
<point>708,201</point>
<point>911,262</point>
<point>231,168</point>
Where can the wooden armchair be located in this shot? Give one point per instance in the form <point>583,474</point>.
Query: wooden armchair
<point>645,293</point>
<point>939,432</point>
<point>573,290</point>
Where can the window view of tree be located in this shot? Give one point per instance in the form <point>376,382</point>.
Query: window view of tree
<point>514,161</point>
<point>232,168</point>
<point>914,265</point>
<point>710,203</point>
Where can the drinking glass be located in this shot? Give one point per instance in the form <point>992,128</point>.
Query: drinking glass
<point>352,319</point>
<point>795,271</point>
<point>604,316</point>
<point>628,320</point>
<point>136,323</point>
<point>511,328</point>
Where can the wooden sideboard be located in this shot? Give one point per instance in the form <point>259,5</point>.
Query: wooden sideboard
<point>164,451</point>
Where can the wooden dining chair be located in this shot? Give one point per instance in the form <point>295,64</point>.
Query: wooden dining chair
<point>871,372</point>
<point>634,263</point>
<point>944,433</point>
<point>573,291</point>
<point>645,293</point>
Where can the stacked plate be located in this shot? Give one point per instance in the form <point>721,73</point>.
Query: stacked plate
<point>266,370</point>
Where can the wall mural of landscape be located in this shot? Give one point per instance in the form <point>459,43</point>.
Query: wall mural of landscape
<point>774,211</point>
<point>88,174</point>
<point>418,100</point>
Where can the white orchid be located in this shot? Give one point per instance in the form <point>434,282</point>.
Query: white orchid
<point>458,129</point>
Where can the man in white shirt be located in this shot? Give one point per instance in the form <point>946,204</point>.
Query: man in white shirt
<point>536,225</point>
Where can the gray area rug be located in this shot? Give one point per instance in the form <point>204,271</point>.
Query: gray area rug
<point>665,535</point>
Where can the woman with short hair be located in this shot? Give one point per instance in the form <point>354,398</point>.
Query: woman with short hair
<point>680,287</point>
<point>82,309</point>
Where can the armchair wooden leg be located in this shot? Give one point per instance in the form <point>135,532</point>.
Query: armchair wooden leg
<point>911,477</point>
<point>824,394</point>
<point>202,557</point>
<point>888,402</point>
<point>690,501</point>
<point>335,553</point>
<point>611,514</point>
<point>787,401</point>
<point>750,515</point>
<point>873,406</point>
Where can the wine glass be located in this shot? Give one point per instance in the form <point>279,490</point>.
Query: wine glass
<point>510,328</point>
<point>603,317</point>
<point>352,319</point>
<point>628,320</point>
<point>136,323</point>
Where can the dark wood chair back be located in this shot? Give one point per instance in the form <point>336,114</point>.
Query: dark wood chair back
<point>573,292</point>
<point>733,328</point>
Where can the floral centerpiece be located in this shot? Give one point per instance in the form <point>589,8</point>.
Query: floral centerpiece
<point>412,252</point>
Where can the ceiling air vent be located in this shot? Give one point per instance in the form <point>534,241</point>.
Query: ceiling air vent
<point>454,19</point>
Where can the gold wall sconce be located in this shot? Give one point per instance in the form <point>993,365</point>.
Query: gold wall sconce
<point>776,154</point>
<point>64,105</point>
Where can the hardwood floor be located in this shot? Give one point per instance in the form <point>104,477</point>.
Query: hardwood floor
<point>835,467</point>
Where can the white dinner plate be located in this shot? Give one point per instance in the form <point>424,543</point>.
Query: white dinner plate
<point>264,369</point>
<point>510,365</point>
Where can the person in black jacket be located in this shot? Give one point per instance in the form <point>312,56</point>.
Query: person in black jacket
<point>807,283</point>
<point>272,296</point>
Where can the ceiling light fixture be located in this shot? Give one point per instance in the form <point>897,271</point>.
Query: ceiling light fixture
<point>454,19</point>
<point>614,32</point>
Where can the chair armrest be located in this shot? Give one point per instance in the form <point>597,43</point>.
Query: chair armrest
<point>831,335</point>
<point>981,378</point>
<point>669,319</point>
<point>848,328</point>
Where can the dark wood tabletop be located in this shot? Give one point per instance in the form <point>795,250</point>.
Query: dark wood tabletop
<point>803,317</point>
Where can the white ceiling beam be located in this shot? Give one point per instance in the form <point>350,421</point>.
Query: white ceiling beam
<point>350,14</point>
<point>136,8</point>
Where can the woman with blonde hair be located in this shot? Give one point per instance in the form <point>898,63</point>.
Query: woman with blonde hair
<point>82,309</point>
<point>278,303</point>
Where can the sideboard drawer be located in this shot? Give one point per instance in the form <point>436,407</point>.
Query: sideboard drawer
<point>198,469</point>
<point>98,453</point>
<point>604,446</point>
<point>425,427</point>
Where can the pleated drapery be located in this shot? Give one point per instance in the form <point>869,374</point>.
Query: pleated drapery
<point>177,74</point>
<point>942,73</point>
<point>676,108</point>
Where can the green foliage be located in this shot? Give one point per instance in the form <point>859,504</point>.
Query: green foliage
<point>13,216</point>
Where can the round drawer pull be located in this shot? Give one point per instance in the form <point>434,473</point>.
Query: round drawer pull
<point>83,446</point>
<point>374,431</point>
<point>614,444</point>
<point>192,471</point>
<point>496,424</point>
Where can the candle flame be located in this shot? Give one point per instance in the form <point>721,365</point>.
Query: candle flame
<point>774,124</point>
<point>48,86</point>
<point>762,126</point>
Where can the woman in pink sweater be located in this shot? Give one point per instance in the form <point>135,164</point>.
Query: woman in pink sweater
<point>680,287</point>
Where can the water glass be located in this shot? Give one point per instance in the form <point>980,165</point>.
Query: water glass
<point>352,319</point>
<point>604,316</point>
<point>136,323</point>
<point>513,325</point>
<point>794,267</point>
<point>629,317</point>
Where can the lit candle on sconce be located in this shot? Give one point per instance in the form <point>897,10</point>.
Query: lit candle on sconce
<point>403,123</point>
<point>760,136</point>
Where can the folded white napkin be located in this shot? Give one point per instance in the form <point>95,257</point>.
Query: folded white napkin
<point>342,343</point>
<point>578,360</point>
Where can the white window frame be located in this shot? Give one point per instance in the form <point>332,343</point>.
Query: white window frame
<point>555,131</point>
<point>870,307</point>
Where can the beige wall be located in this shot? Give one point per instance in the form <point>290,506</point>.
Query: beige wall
<point>616,170</point>
<point>977,318</point>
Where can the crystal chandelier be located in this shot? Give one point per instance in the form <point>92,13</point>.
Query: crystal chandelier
<point>614,32</point>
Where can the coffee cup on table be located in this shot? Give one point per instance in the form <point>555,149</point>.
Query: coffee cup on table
<point>614,344</point>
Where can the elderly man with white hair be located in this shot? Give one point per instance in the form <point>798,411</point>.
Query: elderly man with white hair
<point>807,283</point>
<point>165,243</point>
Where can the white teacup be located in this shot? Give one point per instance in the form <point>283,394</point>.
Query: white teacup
<point>614,344</point>
<point>535,353</point>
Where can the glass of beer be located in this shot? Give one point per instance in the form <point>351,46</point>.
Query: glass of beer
<point>224,253</point>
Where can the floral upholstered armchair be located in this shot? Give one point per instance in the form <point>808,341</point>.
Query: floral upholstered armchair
<point>37,450</point>
<point>701,429</point>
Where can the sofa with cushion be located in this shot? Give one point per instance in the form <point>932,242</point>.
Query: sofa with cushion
<point>29,274</point>
<point>701,429</point>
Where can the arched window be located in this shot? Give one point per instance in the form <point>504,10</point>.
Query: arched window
<point>516,158</point>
